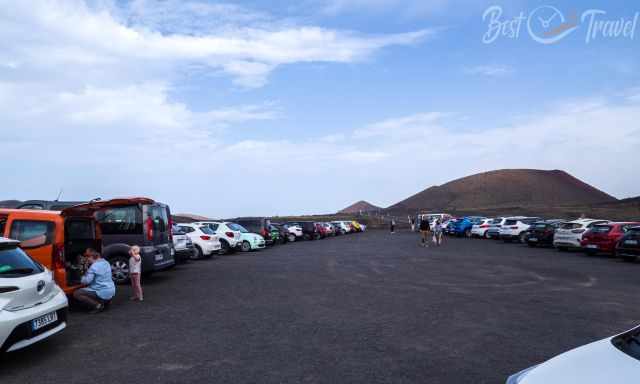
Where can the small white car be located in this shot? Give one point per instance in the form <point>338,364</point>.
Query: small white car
<point>205,241</point>
<point>515,228</point>
<point>182,245</point>
<point>32,306</point>
<point>344,226</point>
<point>612,360</point>
<point>295,232</point>
<point>481,229</point>
<point>248,241</point>
<point>568,235</point>
<point>230,239</point>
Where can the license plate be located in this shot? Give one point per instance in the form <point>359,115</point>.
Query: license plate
<point>159,257</point>
<point>533,239</point>
<point>592,246</point>
<point>631,242</point>
<point>43,321</point>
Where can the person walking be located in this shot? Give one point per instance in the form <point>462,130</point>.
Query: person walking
<point>437,232</point>
<point>424,232</point>
<point>135,269</point>
<point>413,224</point>
<point>392,227</point>
<point>98,288</point>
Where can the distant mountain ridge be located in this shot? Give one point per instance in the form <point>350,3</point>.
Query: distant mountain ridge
<point>504,188</point>
<point>360,206</point>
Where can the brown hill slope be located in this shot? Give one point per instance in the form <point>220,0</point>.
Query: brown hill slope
<point>504,189</point>
<point>360,206</point>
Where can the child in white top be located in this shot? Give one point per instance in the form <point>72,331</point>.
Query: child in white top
<point>135,269</point>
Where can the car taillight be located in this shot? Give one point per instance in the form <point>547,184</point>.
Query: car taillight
<point>205,237</point>
<point>149,229</point>
<point>484,226</point>
<point>58,256</point>
<point>263,232</point>
<point>229,234</point>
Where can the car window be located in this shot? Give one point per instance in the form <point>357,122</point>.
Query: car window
<point>206,229</point>
<point>159,218</point>
<point>125,220</point>
<point>32,234</point>
<point>570,226</point>
<point>237,227</point>
<point>510,222</point>
<point>529,221</point>
<point>79,229</point>
<point>14,263</point>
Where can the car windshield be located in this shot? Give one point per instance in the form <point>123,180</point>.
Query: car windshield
<point>206,229</point>
<point>15,263</point>
<point>237,227</point>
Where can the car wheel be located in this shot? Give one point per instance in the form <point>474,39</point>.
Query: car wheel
<point>317,236</point>
<point>523,238</point>
<point>197,253</point>
<point>246,247</point>
<point>291,237</point>
<point>225,248</point>
<point>562,249</point>
<point>486,235</point>
<point>119,269</point>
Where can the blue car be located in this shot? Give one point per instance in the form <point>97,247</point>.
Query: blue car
<point>462,227</point>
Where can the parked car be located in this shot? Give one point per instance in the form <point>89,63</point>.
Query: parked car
<point>450,227</point>
<point>248,241</point>
<point>293,232</point>
<point>604,237</point>
<point>230,239</point>
<point>309,230</point>
<point>628,246</point>
<point>356,226</point>
<point>462,227</point>
<point>481,228</point>
<point>341,227</point>
<point>569,234</point>
<point>322,230</point>
<point>259,225</point>
<point>32,305</point>
<point>541,232</point>
<point>182,245</point>
<point>494,228</point>
<point>331,231</point>
<point>514,228</point>
<point>612,360</point>
<point>205,241</point>
<point>278,234</point>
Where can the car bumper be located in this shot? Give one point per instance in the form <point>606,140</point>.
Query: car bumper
<point>15,327</point>
<point>567,242</point>
<point>209,248</point>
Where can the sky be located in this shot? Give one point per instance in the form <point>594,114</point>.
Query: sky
<point>230,109</point>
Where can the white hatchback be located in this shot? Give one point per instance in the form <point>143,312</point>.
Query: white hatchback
<point>32,306</point>
<point>569,234</point>
<point>205,241</point>
<point>480,229</point>
<point>612,360</point>
<point>230,239</point>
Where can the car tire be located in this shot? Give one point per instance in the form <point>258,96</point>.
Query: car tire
<point>317,236</point>
<point>522,238</point>
<point>197,253</point>
<point>486,235</point>
<point>562,249</point>
<point>225,248</point>
<point>119,269</point>
<point>291,237</point>
<point>246,246</point>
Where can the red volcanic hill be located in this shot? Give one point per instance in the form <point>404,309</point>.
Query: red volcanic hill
<point>360,206</point>
<point>506,188</point>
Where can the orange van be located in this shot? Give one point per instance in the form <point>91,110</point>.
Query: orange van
<point>56,239</point>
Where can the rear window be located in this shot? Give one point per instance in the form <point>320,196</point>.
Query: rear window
<point>510,222</point>
<point>159,218</point>
<point>206,229</point>
<point>601,229</point>
<point>540,226</point>
<point>237,227</point>
<point>529,221</point>
<point>15,263</point>
<point>571,226</point>
<point>32,234</point>
<point>120,220</point>
<point>496,221</point>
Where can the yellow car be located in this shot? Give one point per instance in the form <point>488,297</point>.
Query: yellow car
<point>356,226</point>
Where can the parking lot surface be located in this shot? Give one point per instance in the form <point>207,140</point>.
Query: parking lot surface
<point>364,308</point>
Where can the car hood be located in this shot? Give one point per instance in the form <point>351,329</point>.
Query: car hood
<point>595,363</point>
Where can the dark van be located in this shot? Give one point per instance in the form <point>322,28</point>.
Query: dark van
<point>133,221</point>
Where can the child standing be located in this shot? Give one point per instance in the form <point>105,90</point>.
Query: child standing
<point>135,269</point>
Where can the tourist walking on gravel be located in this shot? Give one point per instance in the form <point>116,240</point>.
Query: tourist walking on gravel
<point>437,232</point>
<point>392,226</point>
<point>135,269</point>
<point>424,232</point>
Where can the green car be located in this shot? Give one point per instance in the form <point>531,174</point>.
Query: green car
<point>248,241</point>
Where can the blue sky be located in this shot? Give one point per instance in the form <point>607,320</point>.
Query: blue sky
<point>264,108</point>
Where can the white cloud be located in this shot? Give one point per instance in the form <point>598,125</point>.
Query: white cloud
<point>490,70</point>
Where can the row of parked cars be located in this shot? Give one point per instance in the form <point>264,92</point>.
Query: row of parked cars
<point>42,245</point>
<point>592,236</point>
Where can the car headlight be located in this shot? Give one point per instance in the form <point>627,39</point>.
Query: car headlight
<point>518,377</point>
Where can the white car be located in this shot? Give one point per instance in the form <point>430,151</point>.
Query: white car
<point>182,245</point>
<point>344,226</point>
<point>205,241</point>
<point>612,360</point>
<point>230,239</point>
<point>481,229</point>
<point>295,232</point>
<point>569,234</point>
<point>515,228</point>
<point>32,306</point>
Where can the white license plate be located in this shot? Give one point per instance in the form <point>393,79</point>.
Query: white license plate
<point>43,321</point>
<point>159,257</point>
<point>631,242</point>
<point>592,246</point>
<point>533,239</point>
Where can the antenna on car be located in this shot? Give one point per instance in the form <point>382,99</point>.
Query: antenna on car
<point>59,195</point>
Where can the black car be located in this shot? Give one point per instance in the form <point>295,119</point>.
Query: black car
<point>309,230</point>
<point>541,233</point>
<point>259,225</point>
<point>629,245</point>
<point>283,232</point>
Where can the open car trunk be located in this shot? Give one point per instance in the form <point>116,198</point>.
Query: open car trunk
<point>80,234</point>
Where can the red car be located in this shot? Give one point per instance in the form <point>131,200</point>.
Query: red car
<point>604,237</point>
<point>322,230</point>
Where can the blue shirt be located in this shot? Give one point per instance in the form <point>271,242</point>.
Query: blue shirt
<point>98,279</point>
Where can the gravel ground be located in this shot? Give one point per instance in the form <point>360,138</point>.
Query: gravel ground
<point>364,308</point>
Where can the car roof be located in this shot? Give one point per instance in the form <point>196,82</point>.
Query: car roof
<point>96,205</point>
<point>583,221</point>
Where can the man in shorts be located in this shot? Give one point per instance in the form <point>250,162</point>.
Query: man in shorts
<point>424,232</point>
